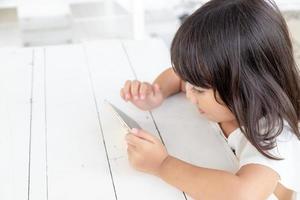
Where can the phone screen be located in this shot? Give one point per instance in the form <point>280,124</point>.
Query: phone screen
<point>126,121</point>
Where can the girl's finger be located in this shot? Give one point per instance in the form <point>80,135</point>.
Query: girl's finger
<point>136,141</point>
<point>126,90</point>
<point>130,146</point>
<point>135,86</point>
<point>144,135</point>
<point>130,143</point>
<point>145,88</point>
<point>130,152</point>
<point>122,94</point>
<point>156,89</point>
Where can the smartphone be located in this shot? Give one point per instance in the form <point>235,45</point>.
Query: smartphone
<point>126,121</point>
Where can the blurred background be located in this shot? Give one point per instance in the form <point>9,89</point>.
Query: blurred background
<point>50,22</point>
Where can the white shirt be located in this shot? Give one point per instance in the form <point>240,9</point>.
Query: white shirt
<point>288,147</point>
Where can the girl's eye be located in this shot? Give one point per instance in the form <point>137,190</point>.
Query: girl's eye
<point>197,91</point>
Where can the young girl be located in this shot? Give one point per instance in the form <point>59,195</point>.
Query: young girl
<point>234,59</point>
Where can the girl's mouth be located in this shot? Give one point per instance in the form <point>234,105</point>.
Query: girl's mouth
<point>201,111</point>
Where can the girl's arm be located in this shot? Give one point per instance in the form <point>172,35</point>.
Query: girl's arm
<point>169,83</point>
<point>250,182</point>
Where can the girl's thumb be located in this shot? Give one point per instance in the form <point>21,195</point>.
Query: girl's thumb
<point>156,88</point>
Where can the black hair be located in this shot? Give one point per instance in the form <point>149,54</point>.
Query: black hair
<point>242,50</point>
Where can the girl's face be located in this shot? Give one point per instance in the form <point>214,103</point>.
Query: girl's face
<point>207,104</point>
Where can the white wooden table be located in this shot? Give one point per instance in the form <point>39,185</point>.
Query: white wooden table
<point>57,140</point>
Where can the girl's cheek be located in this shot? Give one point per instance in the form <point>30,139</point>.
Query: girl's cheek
<point>192,98</point>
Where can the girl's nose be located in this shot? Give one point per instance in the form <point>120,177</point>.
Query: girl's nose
<point>190,96</point>
<point>193,99</point>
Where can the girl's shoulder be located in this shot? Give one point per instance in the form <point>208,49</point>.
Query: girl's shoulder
<point>285,139</point>
<point>287,143</point>
<point>287,148</point>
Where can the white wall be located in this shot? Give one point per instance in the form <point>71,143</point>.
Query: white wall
<point>154,5</point>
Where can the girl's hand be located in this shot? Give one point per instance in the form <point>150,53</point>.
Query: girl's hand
<point>145,152</point>
<point>142,94</point>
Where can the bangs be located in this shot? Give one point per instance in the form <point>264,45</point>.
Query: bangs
<point>206,46</point>
<point>188,61</point>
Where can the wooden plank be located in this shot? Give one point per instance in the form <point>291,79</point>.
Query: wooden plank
<point>77,163</point>
<point>6,180</point>
<point>187,134</point>
<point>16,70</point>
<point>151,55</point>
<point>38,157</point>
<point>109,69</point>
